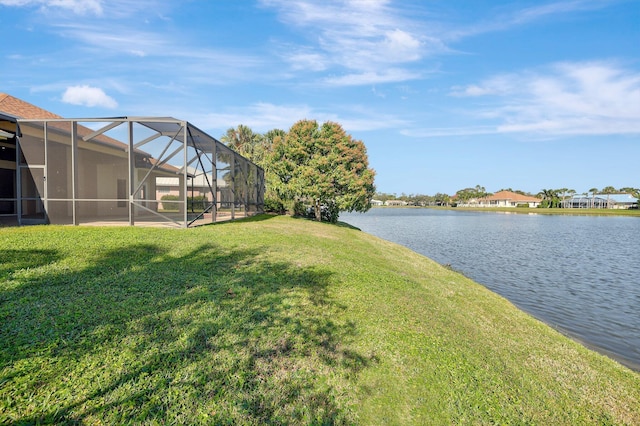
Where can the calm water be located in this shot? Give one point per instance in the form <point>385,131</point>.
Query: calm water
<point>580,274</point>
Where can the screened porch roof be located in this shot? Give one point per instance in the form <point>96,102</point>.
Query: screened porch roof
<point>171,127</point>
<point>163,126</point>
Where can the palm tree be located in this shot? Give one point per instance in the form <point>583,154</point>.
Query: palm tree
<point>244,142</point>
<point>572,193</point>
<point>593,192</point>
<point>564,195</point>
<point>549,197</point>
<point>629,190</point>
<point>608,190</point>
<point>465,195</point>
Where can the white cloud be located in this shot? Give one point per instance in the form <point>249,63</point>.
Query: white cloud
<point>566,98</point>
<point>501,21</point>
<point>556,8</point>
<point>88,96</point>
<point>264,116</point>
<point>80,7</point>
<point>260,117</point>
<point>117,38</point>
<point>370,39</point>
<point>372,77</point>
<point>449,131</point>
<point>305,59</point>
<point>111,9</point>
<point>401,45</point>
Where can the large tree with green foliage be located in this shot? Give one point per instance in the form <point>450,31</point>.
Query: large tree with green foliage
<point>324,167</point>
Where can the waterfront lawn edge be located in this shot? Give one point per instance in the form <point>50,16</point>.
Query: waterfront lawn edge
<point>276,320</point>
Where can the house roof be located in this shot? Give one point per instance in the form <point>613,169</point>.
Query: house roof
<point>512,196</point>
<point>12,107</point>
<point>166,126</point>
<point>21,109</point>
<point>24,110</point>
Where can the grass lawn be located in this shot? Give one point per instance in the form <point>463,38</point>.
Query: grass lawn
<point>275,320</point>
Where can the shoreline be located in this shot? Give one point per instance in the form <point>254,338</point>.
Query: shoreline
<point>562,330</point>
<point>522,210</point>
<point>627,362</point>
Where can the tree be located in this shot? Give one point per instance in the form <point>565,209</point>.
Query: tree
<point>442,199</point>
<point>323,166</point>
<point>593,192</point>
<point>629,190</point>
<point>481,191</point>
<point>246,143</point>
<point>550,198</point>
<point>272,200</point>
<point>571,193</point>
<point>384,197</point>
<point>608,190</point>
<point>635,192</point>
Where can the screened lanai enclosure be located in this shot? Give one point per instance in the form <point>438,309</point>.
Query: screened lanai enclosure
<point>130,170</point>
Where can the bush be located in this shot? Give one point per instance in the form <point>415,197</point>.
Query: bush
<point>273,205</point>
<point>172,202</point>
<point>198,203</point>
<point>167,204</point>
<point>299,209</point>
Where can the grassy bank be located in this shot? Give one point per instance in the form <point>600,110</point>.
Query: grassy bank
<point>575,212</point>
<point>276,320</point>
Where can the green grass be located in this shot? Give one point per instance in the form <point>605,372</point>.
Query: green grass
<point>274,320</point>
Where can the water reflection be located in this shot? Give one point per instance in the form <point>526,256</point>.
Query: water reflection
<point>577,273</point>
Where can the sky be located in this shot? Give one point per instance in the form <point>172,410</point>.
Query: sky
<point>521,94</point>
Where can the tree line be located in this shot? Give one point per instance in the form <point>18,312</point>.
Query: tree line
<point>311,169</point>
<point>551,198</point>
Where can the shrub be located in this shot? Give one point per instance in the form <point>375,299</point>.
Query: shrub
<point>167,204</point>
<point>197,203</point>
<point>298,209</point>
<point>273,205</point>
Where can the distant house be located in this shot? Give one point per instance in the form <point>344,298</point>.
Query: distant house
<point>197,186</point>
<point>376,203</point>
<point>395,203</point>
<point>508,199</point>
<point>601,201</point>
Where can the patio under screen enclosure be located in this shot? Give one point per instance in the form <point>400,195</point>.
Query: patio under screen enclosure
<point>130,170</point>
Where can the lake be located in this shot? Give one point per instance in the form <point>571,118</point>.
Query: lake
<point>579,274</point>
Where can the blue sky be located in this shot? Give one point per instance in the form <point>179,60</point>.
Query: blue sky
<point>444,94</point>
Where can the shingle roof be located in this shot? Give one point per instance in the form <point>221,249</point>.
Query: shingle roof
<point>512,196</point>
<point>21,109</point>
<point>18,108</point>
